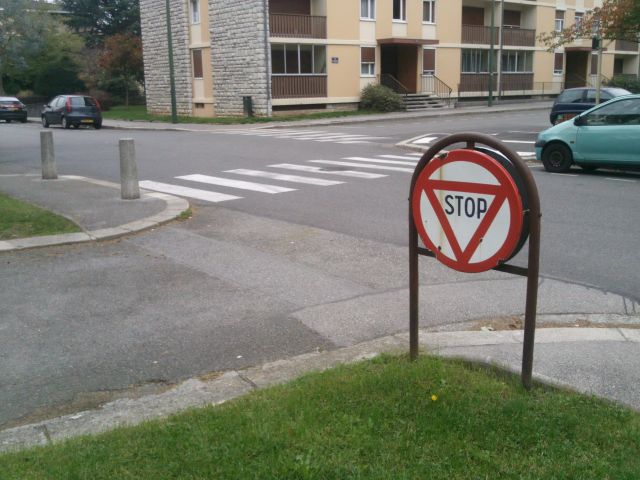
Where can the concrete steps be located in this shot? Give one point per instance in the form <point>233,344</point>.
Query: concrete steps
<point>423,101</point>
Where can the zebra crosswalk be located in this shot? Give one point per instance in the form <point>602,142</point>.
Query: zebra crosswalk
<point>307,135</point>
<point>315,173</point>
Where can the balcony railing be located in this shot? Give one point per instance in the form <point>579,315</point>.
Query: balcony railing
<point>513,36</point>
<point>479,82</point>
<point>297,26</point>
<point>479,34</point>
<point>298,86</point>
<point>626,46</point>
<point>519,37</point>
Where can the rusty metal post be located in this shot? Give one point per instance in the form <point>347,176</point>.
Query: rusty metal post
<point>414,288</point>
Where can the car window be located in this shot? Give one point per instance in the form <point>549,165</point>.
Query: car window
<point>59,102</point>
<point>570,96</point>
<point>90,102</point>
<point>623,112</point>
<point>591,96</point>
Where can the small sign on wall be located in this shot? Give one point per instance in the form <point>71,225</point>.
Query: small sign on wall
<point>335,60</point>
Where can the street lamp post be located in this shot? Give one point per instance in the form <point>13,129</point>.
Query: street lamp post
<point>491,51</point>
<point>172,77</point>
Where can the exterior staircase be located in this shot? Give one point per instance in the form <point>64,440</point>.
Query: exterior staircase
<point>423,101</point>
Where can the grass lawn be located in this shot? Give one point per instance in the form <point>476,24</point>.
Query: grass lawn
<point>382,419</point>
<point>19,220</point>
<point>139,112</point>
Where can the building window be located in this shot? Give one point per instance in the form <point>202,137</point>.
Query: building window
<point>400,10</point>
<point>514,61</point>
<point>578,19</point>
<point>367,61</point>
<point>558,63</point>
<point>512,18</point>
<point>475,61</point>
<point>291,59</point>
<point>429,11</point>
<point>559,20</point>
<point>197,63</point>
<point>195,11</point>
<point>368,9</point>
<point>429,61</point>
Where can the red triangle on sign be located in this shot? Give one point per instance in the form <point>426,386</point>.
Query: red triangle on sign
<point>499,198</point>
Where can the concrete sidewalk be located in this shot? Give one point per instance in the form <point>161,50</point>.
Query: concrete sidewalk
<point>386,117</point>
<point>604,362</point>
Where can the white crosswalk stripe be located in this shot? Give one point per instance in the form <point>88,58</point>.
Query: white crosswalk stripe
<point>343,173</point>
<point>310,135</point>
<point>181,191</point>
<point>375,160</point>
<point>227,182</point>
<point>285,178</point>
<point>402,157</point>
<point>363,165</point>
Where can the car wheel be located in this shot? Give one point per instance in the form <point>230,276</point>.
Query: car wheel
<point>65,123</point>
<point>557,158</point>
<point>97,125</point>
<point>45,122</point>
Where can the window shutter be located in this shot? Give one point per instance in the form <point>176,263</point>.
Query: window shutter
<point>558,62</point>
<point>197,63</point>
<point>511,18</point>
<point>429,60</point>
<point>368,54</point>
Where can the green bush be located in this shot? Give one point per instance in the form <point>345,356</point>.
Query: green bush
<point>380,98</point>
<point>628,83</point>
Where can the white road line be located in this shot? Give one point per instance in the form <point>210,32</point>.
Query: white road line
<point>528,142</point>
<point>227,182</point>
<point>352,142</point>
<point>343,173</point>
<point>285,178</point>
<point>334,138</point>
<point>423,140</point>
<point>565,174</point>
<point>520,131</point>
<point>186,191</point>
<point>527,154</point>
<point>363,165</point>
<point>400,157</point>
<point>314,133</point>
<point>620,179</point>
<point>375,160</point>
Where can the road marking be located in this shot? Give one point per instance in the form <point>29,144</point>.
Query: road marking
<point>565,174</point>
<point>528,142</point>
<point>620,179</point>
<point>186,191</point>
<point>375,160</point>
<point>520,131</point>
<point>424,140</point>
<point>344,173</point>
<point>285,178</point>
<point>227,182</point>
<point>399,157</point>
<point>526,154</point>
<point>363,165</point>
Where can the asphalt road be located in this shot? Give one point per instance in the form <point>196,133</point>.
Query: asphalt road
<point>269,273</point>
<point>590,221</point>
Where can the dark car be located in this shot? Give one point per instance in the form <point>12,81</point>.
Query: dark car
<point>12,109</point>
<point>72,111</point>
<point>573,101</point>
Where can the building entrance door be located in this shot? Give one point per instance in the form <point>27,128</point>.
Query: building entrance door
<point>401,62</point>
<point>576,69</point>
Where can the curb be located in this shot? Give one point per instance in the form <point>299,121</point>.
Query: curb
<point>197,392</point>
<point>340,120</point>
<point>174,207</point>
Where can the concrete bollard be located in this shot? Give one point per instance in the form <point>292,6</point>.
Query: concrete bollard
<point>128,170</point>
<point>48,156</point>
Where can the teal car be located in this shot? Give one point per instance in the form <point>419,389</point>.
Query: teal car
<point>607,135</point>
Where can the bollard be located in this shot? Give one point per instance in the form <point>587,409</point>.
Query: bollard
<point>48,157</point>
<point>128,170</point>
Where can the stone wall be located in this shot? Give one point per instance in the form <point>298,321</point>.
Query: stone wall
<point>240,55</point>
<point>156,56</point>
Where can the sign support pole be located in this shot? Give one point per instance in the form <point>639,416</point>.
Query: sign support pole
<point>533,216</point>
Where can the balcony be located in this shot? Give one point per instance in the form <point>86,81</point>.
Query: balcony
<point>479,34</point>
<point>297,26</point>
<point>518,37</point>
<point>479,82</point>
<point>298,86</point>
<point>626,46</point>
<point>512,36</point>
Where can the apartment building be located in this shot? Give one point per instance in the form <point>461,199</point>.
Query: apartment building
<point>287,54</point>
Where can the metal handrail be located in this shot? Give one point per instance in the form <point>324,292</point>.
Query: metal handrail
<point>394,84</point>
<point>440,88</point>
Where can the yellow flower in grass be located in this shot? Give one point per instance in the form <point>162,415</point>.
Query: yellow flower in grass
<point>434,398</point>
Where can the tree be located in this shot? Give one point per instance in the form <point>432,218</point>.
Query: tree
<point>614,20</point>
<point>24,25</point>
<point>96,20</point>
<point>121,62</point>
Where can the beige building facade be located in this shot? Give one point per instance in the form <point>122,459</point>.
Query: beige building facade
<point>321,53</point>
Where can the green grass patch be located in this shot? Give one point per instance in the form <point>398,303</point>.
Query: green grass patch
<point>383,419</point>
<point>19,219</point>
<point>139,112</point>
